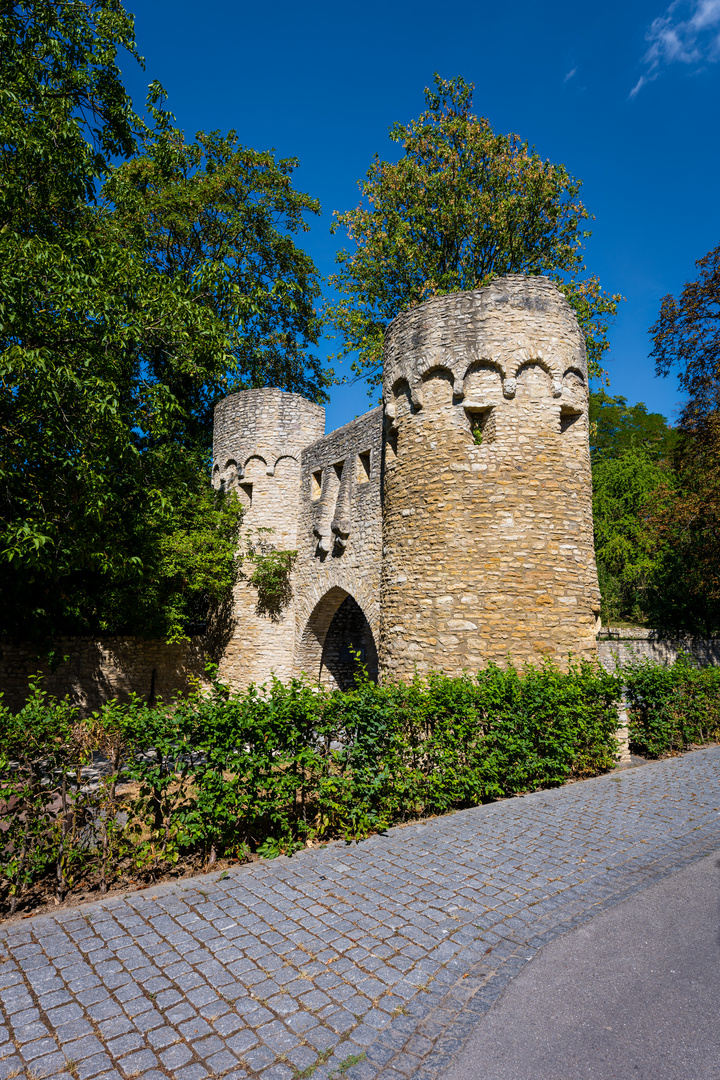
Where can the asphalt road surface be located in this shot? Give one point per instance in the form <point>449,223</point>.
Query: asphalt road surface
<point>633,994</point>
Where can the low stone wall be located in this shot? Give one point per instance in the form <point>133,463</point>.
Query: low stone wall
<point>91,671</point>
<point>625,644</point>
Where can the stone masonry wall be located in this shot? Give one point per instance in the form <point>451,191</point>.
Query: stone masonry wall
<point>627,644</point>
<point>259,436</point>
<point>487,517</point>
<point>457,516</point>
<point>339,536</point>
<point>98,670</point>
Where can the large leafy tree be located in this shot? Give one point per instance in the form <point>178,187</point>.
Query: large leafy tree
<point>461,205</point>
<point>131,297</point>
<point>616,427</point>
<point>630,450</point>
<point>657,490</point>
<point>686,517</point>
<point>625,548</point>
<point>218,219</point>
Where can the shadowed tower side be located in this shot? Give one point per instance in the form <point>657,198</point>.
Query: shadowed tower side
<point>487,498</point>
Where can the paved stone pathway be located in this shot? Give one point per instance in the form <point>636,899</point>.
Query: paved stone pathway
<point>352,961</point>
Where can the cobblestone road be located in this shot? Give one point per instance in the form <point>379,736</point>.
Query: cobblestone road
<point>353,960</point>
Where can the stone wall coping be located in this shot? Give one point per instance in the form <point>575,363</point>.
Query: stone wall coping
<point>257,392</point>
<point>629,633</point>
<point>336,433</point>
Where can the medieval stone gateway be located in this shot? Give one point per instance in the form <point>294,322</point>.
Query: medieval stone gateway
<point>450,526</point>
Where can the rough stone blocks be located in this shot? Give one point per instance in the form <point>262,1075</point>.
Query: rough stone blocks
<point>451,526</point>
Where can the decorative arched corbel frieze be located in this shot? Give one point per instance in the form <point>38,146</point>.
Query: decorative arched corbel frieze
<point>574,369</point>
<point>254,456</point>
<point>416,396</point>
<point>453,367</point>
<point>546,356</point>
<point>283,457</point>
<point>480,360</point>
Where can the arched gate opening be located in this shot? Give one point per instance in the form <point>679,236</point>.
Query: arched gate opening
<point>337,639</point>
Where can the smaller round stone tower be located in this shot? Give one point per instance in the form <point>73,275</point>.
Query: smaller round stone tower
<point>258,439</point>
<point>487,497</point>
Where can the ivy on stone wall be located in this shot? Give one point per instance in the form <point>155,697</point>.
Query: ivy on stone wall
<point>271,573</point>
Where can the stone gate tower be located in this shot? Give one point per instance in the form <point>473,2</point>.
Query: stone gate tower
<point>487,499</point>
<point>258,439</point>
<point>447,528</point>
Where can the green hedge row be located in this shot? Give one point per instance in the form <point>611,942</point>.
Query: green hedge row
<point>671,708</point>
<point>219,775</point>
<point>133,789</point>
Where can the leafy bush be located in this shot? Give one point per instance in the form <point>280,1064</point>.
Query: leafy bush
<point>271,573</point>
<point>220,774</point>
<point>52,824</point>
<point>671,708</point>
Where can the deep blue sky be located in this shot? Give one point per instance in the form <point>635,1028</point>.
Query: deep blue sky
<point>323,81</point>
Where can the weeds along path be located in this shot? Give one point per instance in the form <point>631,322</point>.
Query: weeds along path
<point>363,960</point>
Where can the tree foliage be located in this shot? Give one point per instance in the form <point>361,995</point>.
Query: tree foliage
<point>630,451</point>
<point>625,548</point>
<point>219,219</point>
<point>461,206</point>
<point>616,427</point>
<point>132,296</point>
<point>686,338</point>
<point>686,520</point>
<point>657,489</point>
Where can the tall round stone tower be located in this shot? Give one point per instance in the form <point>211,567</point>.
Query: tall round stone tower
<point>487,498</point>
<point>258,439</point>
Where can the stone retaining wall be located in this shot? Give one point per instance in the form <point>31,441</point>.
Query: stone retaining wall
<point>626,644</point>
<point>91,672</point>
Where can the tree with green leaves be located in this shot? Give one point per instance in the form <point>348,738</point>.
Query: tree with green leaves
<point>685,517</point>
<point>132,297</point>
<point>616,427</point>
<point>219,218</point>
<point>630,450</point>
<point>656,496</point>
<point>624,481</point>
<point>461,206</point>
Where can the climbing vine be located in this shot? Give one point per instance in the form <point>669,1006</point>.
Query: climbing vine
<point>271,573</point>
